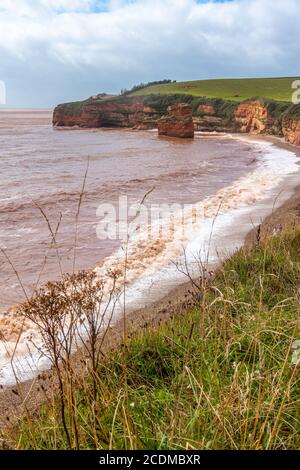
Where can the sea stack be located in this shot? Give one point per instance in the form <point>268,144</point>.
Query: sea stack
<point>178,122</point>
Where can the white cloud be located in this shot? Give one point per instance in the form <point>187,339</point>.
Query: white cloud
<point>142,40</point>
<point>68,5</point>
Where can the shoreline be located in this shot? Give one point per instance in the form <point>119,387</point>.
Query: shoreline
<point>32,393</point>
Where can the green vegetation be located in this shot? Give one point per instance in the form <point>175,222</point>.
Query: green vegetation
<point>73,108</point>
<point>277,110</point>
<point>224,95</point>
<point>293,112</point>
<point>219,375</point>
<point>140,86</point>
<point>160,103</point>
<point>279,89</point>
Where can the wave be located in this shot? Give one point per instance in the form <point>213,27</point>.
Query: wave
<point>186,232</point>
<point>151,263</point>
<point>19,202</point>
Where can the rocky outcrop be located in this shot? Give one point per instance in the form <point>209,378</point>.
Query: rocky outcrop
<point>178,122</point>
<point>206,109</point>
<point>66,115</point>
<point>291,131</point>
<point>106,113</point>
<point>209,123</point>
<point>252,117</point>
<point>256,116</point>
<point>208,119</point>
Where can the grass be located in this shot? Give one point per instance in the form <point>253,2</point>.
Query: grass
<point>219,375</point>
<point>279,89</point>
<point>224,95</point>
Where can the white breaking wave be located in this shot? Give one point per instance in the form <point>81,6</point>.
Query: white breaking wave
<point>225,219</point>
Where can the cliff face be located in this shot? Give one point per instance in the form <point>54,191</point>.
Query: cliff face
<point>106,113</point>
<point>211,123</point>
<point>178,122</point>
<point>291,131</point>
<point>255,116</point>
<point>252,117</point>
<point>206,109</point>
<point>64,116</point>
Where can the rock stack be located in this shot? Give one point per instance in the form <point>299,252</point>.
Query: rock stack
<point>178,122</point>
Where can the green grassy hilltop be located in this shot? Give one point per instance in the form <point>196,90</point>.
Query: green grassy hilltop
<point>235,89</point>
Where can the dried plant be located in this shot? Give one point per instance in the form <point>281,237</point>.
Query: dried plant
<point>74,312</point>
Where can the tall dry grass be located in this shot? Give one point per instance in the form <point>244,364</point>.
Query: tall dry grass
<point>223,374</point>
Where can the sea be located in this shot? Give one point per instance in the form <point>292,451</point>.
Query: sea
<point>80,199</point>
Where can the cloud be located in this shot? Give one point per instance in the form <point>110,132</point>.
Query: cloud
<point>54,50</point>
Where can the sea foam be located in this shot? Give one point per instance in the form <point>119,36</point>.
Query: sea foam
<point>152,264</point>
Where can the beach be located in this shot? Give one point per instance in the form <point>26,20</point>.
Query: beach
<point>272,216</point>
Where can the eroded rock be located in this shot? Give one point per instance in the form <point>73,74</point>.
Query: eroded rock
<point>178,122</point>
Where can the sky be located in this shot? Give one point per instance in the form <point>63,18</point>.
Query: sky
<point>53,51</point>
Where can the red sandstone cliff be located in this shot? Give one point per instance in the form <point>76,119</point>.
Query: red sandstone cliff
<point>206,109</point>
<point>211,123</point>
<point>254,116</point>
<point>291,131</point>
<point>106,113</point>
<point>178,122</point>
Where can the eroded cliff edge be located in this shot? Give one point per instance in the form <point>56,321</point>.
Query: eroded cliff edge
<point>255,116</point>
